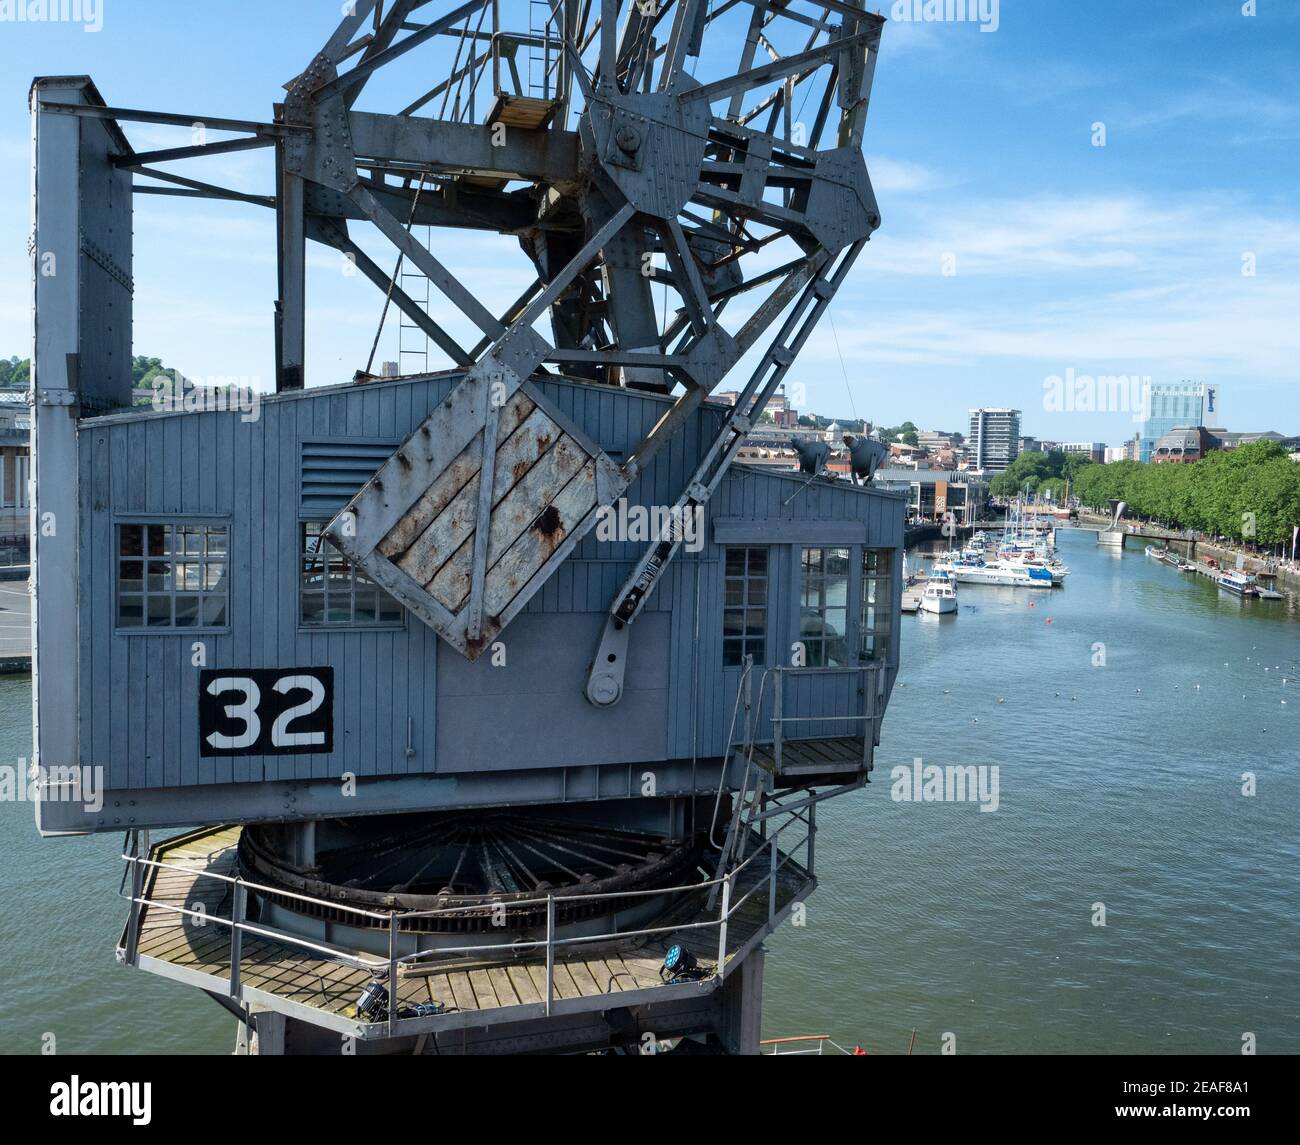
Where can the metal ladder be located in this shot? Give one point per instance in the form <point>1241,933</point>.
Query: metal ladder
<point>412,341</point>
<point>545,45</point>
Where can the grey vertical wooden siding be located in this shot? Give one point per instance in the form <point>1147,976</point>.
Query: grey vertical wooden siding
<point>139,701</point>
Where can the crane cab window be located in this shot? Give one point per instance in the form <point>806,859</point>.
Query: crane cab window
<point>877,604</point>
<point>172,575</point>
<point>824,606</point>
<point>744,609</point>
<point>334,593</point>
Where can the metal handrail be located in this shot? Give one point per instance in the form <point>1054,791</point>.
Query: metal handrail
<point>383,916</point>
<point>390,966</point>
<point>870,716</point>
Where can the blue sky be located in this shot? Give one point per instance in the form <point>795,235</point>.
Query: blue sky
<point>1123,259</point>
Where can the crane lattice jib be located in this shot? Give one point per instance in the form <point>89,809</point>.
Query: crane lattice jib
<point>705,151</point>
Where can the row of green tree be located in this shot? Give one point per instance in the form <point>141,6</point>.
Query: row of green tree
<point>1251,493</point>
<point>16,372</point>
<point>1044,474</point>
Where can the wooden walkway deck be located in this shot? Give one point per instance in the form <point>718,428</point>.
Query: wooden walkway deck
<point>287,978</point>
<point>804,757</point>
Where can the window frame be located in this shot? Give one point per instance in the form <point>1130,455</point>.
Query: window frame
<point>861,579</point>
<point>171,522</point>
<point>884,605</point>
<point>803,574</point>
<point>352,625</point>
<point>746,579</point>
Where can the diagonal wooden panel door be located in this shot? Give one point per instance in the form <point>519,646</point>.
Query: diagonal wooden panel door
<point>465,537</point>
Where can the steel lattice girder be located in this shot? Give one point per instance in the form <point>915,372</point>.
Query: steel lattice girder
<point>638,138</point>
<point>476,510</point>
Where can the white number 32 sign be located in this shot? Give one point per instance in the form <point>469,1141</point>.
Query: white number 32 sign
<point>266,711</point>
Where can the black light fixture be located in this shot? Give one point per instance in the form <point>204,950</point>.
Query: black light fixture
<point>679,964</point>
<point>373,1003</point>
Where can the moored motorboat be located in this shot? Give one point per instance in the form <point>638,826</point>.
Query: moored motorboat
<point>1006,573</point>
<point>1237,582</point>
<point>939,595</point>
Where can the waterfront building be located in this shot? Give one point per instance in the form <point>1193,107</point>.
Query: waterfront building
<point>1174,404</point>
<point>931,493</point>
<point>1093,450</point>
<point>1182,445</point>
<point>994,439</point>
<point>15,461</point>
<point>1191,443</point>
<point>937,439</point>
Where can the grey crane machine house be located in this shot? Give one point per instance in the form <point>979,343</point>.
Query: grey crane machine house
<point>492,701</point>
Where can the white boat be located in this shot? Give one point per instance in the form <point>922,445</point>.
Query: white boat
<point>1058,570</point>
<point>939,595</point>
<point>1013,573</point>
<point>1237,582</point>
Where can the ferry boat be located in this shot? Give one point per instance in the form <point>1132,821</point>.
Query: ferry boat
<point>939,595</point>
<point>1238,583</point>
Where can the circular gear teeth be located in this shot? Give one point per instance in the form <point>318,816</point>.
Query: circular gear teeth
<point>476,872</point>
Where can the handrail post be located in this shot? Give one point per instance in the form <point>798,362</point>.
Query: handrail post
<point>869,728</point>
<point>722,917</point>
<point>745,697</point>
<point>392,972</point>
<point>495,49</point>
<point>238,910</point>
<point>132,953</point>
<point>771,881</point>
<point>550,952</point>
<point>812,839</point>
<point>778,712</point>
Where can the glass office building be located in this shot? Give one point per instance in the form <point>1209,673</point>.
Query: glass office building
<point>1175,404</point>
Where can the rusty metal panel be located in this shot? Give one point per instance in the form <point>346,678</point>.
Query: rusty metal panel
<point>465,562</point>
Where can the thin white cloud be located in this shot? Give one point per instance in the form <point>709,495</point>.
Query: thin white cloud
<point>898,176</point>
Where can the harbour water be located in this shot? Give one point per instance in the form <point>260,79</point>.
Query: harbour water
<point>1120,783</point>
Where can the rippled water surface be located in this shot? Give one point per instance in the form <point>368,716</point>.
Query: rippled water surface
<point>1119,784</point>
